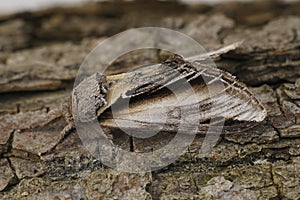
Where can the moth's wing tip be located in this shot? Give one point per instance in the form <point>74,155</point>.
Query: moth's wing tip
<point>264,114</point>
<point>261,115</point>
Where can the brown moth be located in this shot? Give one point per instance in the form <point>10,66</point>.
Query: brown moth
<point>126,99</point>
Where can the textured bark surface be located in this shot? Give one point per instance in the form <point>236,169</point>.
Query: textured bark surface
<point>42,51</point>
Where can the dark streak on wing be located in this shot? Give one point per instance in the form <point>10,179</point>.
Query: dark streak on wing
<point>172,70</point>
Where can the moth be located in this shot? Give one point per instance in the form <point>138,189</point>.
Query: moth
<point>166,97</point>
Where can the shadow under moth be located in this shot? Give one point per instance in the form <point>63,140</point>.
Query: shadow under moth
<point>189,94</point>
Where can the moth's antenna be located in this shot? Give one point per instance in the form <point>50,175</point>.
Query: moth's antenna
<point>215,54</point>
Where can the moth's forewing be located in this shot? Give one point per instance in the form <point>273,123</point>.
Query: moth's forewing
<point>168,107</point>
<point>147,80</point>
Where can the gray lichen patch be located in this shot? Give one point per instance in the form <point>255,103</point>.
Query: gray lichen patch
<point>235,182</point>
<point>101,183</point>
<point>221,188</point>
<point>286,177</point>
<point>116,185</point>
<point>259,134</point>
<point>260,176</point>
<point>165,184</point>
<point>69,159</point>
<point>38,188</point>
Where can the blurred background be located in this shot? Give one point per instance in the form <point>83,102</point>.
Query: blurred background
<point>40,22</point>
<point>30,5</point>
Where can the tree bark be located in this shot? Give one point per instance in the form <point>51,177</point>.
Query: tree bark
<point>38,65</point>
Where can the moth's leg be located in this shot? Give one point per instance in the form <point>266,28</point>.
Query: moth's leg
<point>66,108</point>
<point>66,112</point>
<point>67,130</point>
<point>64,133</point>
